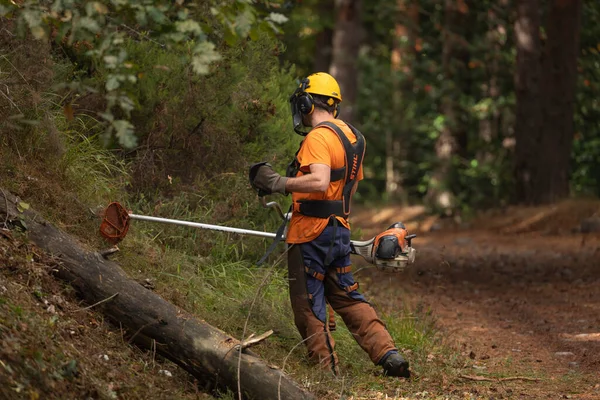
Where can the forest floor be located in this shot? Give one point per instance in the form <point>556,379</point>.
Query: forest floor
<point>517,292</point>
<point>514,295</point>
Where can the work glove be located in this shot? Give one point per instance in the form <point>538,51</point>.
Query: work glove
<point>264,179</point>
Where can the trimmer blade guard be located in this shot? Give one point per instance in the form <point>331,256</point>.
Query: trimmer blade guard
<point>115,223</point>
<point>397,264</point>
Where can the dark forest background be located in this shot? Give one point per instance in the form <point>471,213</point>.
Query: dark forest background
<point>465,104</point>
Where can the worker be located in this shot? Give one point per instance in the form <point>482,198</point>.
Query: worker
<point>322,179</point>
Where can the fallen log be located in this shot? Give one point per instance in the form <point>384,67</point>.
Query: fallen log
<point>204,351</point>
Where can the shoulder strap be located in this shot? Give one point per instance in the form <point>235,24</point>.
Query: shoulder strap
<point>294,166</point>
<point>354,157</point>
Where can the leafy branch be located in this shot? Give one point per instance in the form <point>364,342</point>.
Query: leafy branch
<point>103,27</point>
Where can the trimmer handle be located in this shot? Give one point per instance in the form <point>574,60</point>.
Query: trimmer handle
<point>272,204</point>
<point>409,239</point>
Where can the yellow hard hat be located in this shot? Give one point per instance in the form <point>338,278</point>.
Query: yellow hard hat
<point>324,84</point>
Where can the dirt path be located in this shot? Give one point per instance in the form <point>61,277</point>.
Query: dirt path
<point>518,304</point>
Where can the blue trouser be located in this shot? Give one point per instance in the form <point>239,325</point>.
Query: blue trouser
<point>313,283</point>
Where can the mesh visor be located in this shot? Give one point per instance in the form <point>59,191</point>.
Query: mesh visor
<point>295,109</point>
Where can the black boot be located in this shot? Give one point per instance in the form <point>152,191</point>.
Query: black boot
<point>395,365</point>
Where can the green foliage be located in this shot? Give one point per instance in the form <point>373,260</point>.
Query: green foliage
<point>482,167</point>
<point>203,131</point>
<point>306,21</point>
<point>103,29</point>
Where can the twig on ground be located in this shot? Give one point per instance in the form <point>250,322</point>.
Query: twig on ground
<point>519,378</point>
<point>107,252</point>
<point>497,380</point>
<point>153,351</point>
<point>12,103</point>
<point>9,32</point>
<point>16,69</point>
<point>100,302</point>
<point>138,331</point>
<point>343,387</point>
<point>251,340</point>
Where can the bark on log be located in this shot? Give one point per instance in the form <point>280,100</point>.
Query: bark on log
<point>204,351</point>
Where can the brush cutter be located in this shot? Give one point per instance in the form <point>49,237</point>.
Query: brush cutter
<point>391,250</point>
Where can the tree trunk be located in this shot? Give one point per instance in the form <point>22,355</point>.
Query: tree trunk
<point>402,57</point>
<point>347,38</point>
<point>545,99</point>
<point>452,136</point>
<point>204,351</point>
<point>528,118</point>
<point>559,74</point>
<point>490,123</point>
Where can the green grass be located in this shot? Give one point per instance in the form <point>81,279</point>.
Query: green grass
<point>221,288</point>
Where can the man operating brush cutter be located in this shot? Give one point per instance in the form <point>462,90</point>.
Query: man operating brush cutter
<point>322,179</point>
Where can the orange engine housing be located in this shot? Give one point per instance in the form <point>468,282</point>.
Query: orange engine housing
<point>391,243</point>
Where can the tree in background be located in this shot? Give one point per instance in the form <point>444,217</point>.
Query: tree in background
<point>559,74</point>
<point>452,136</point>
<point>404,49</point>
<point>546,78</point>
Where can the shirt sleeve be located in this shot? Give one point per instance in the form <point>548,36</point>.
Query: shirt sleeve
<point>314,151</point>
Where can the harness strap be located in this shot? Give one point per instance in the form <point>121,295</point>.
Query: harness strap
<point>329,256</point>
<point>343,270</point>
<point>320,208</point>
<point>278,238</point>
<point>317,275</point>
<point>354,157</point>
<point>337,174</point>
<point>351,288</point>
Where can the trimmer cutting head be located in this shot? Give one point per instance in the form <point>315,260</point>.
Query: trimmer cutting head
<point>115,223</point>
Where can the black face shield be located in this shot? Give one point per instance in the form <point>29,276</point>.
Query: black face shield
<point>296,114</point>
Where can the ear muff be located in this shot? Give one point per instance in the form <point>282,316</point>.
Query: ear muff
<point>336,110</point>
<point>305,103</point>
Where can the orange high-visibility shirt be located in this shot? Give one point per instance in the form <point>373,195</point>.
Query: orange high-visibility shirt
<point>321,146</point>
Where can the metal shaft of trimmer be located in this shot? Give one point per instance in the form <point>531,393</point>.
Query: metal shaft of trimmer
<point>204,226</point>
